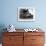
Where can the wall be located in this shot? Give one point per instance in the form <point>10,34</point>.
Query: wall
<point>9,13</point>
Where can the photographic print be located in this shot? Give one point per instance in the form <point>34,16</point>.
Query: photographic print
<point>26,14</point>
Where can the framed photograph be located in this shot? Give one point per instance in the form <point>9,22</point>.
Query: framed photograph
<point>26,14</point>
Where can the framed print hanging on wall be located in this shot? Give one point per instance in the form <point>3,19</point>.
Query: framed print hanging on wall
<point>26,14</point>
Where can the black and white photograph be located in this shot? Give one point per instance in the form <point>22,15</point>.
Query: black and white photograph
<point>26,14</point>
